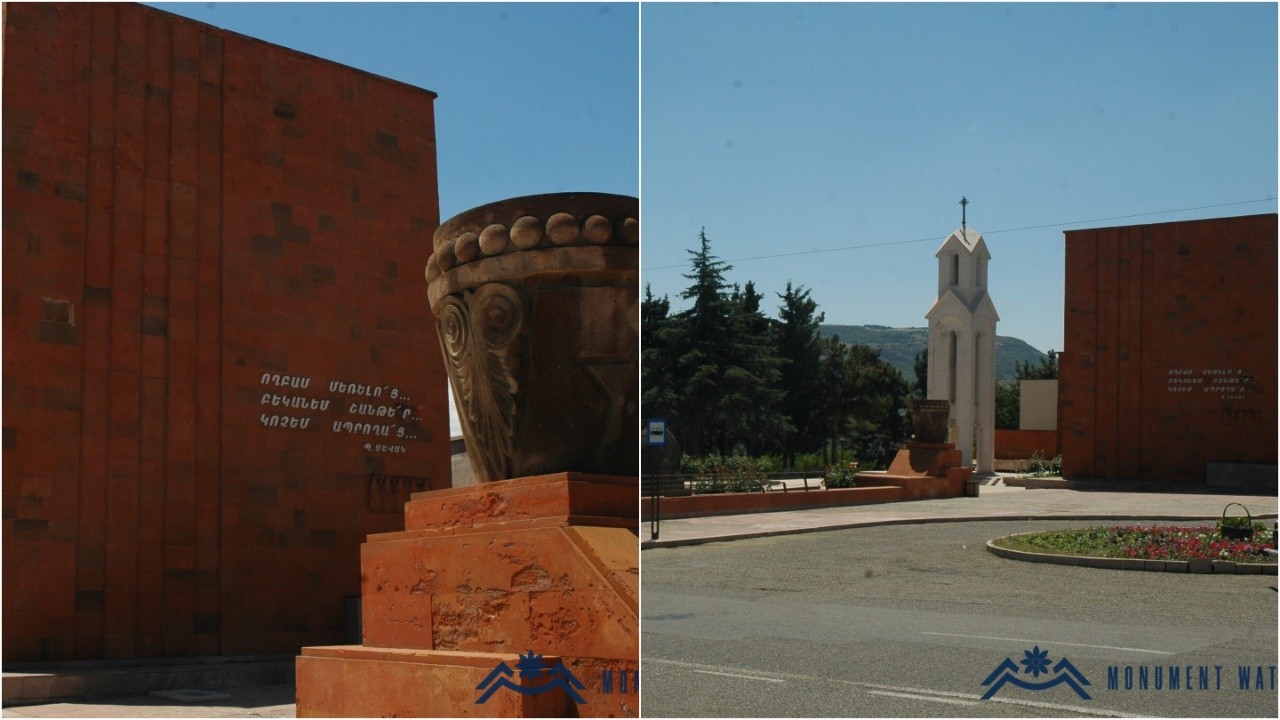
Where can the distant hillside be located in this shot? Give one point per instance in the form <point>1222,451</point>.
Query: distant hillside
<point>900,346</point>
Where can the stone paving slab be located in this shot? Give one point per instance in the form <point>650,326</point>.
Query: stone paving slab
<point>994,503</point>
<point>241,702</point>
<point>73,681</point>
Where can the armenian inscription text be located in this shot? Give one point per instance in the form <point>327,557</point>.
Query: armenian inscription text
<point>1226,383</point>
<point>376,411</point>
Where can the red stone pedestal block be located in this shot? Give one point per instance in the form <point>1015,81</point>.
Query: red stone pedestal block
<point>925,459</point>
<point>358,681</point>
<point>548,564</point>
<point>924,470</point>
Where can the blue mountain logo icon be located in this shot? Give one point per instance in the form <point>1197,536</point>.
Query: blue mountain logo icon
<point>1035,663</point>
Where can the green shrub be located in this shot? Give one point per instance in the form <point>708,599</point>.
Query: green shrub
<point>1039,467</point>
<point>735,473</point>
<point>841,476</point>
<point>1238,527</point>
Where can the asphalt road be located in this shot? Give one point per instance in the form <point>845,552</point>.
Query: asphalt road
<point>910,620</point>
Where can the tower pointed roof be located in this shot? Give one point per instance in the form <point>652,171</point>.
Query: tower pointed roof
<point>967,239</point>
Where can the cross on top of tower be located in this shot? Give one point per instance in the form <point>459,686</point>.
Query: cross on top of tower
<point>964,205</point>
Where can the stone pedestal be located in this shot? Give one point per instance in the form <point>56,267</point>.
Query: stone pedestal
<point>482,574</point>
<point>924,470</point>
<point>921,459</point>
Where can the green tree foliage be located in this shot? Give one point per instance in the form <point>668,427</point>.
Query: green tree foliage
<point>719,371</point>
<point>877,397</point>
<point>798,345</point>
<point>750,409</point>
<point>863,402</point>
<point>920,390</point>
<point>1046,370</point>
<point>700,363</point>
<point>661,341</point>
<point>1008,405</point>
<point>730,380</point>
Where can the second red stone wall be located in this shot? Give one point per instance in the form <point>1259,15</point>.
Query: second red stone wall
<point>220,370</point>
<point>1170,349</point>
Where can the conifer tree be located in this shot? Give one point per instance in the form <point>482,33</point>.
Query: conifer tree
<point>661,339</point>
<point>799,347</point>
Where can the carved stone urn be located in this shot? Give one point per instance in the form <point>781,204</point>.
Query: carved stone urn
<point>929,420</point>
<point>537,302</point>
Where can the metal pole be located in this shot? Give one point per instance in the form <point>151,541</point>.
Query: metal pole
<point>654,506</point>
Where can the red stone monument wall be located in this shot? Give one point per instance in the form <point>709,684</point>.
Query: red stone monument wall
<point>1170,359</point>
<point>1023,444</point>
<point>220,370</point>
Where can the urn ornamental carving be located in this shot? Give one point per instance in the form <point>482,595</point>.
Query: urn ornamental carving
<point>537,302</point>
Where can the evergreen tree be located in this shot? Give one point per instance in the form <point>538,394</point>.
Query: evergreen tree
<point>921,389</point>
<point>1047,370</point>
<point>751,398</point>
<point>798,344</point>
<point>863,406</point>
<point>833,407</point>
<point>727,374</point>
<point>1008,405</point>
<point>700,367</point>
<point>877,397</point>
<point>661,340</point>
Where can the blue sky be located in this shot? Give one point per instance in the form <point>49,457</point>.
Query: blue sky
<point>792,128</point>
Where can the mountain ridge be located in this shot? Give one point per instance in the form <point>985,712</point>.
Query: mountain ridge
<point>899,347</point>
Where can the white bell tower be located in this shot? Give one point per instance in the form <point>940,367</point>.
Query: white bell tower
<point>962,344</point>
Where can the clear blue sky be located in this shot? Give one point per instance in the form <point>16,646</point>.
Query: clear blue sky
<point>787,128</point>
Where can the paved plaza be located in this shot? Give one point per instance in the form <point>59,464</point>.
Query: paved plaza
<point>262,701</point>
<point>897,609</point>
<point>997,500</point>
<point>910,619</point>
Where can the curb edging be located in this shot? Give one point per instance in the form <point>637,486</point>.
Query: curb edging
<point>1200,566</point>
<point>923,520</point>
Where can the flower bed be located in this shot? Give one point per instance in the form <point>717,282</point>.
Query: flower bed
<point>1203,542</point>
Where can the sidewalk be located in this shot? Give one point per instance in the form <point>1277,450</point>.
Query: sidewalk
<point>238,702</point>
<point>996,502</point>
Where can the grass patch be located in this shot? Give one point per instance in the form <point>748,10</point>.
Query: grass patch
<point>1147,542</point>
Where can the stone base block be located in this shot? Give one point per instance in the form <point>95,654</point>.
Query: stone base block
<point>916,487</point>
<point>673,508</point>
<point>577,498</point>
<point>924,470</point>
<point>1241,476</point>
<point>355,681</point>
<point>919,459</point>
<point>547,564</point>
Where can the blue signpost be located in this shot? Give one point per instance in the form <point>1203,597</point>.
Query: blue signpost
<point>655,436</point>
<point>657,432</point>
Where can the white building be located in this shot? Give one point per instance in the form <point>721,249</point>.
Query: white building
<point>962,346</point>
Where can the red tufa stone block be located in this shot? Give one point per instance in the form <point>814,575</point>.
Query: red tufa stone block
<point>347,681</point>
<point>1022,444</point>
<point>737,503</point>
<point>509,565</point>
<point>143,143</point>
<point>1146,301</point>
